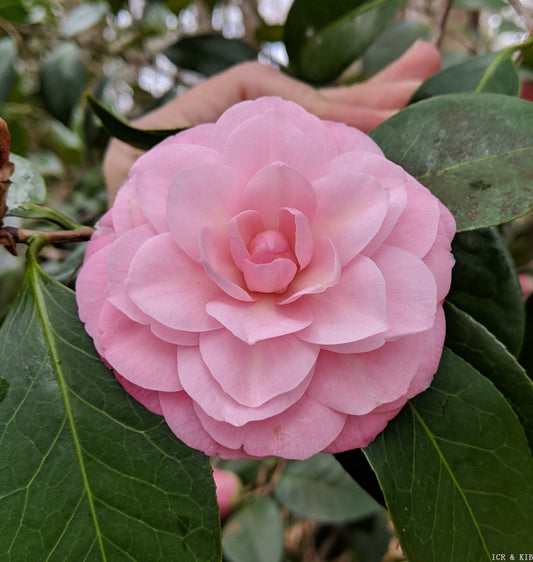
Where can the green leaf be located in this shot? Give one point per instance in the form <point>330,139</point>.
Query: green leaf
<point>485,285</point>
<point>14,11</point>
<point>473,151</point>
<point>321,490</point>
<point>87,473</point>
<point>493,73</point>
<point>254,532</point>
<point>456,470</point>
<point>83,17</point>
<point>63,80</point>
<point>323,38</point>
<point>139,138</point>
<point>27,184</point>
<point>392,43</point>
<point>475,344</point>
<point>210,53</point>
<point>8,57</point>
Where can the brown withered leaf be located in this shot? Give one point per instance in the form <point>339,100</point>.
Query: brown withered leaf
<point>6,167</point>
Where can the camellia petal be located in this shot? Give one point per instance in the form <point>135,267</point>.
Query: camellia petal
<point>281,141</point>
<point>285,435</point>
<point>161,273</point>
<point>219,265</point>
<point>254,374</point>
<point>359,383</point>
<point>286,188</point>
<point>411,307</point>
<point>351,210</point>
<point>132,348</point>
<point>151,182</point>
<point>354,309</point>
<point>200,385</point>
<point>260,320</point>
<point>198,198</point>
<point>323,272</point>
<point>178,410</point>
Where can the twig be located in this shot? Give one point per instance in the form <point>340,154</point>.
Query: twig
<point>438,34</point>
<point>10,236</point>
<point>523,13</point>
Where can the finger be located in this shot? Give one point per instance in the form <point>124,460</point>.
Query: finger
<point>377,95</point>
<point>417,63</point>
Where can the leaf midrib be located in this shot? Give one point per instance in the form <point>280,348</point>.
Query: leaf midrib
<point>449,470</point>
<point>34,274</point>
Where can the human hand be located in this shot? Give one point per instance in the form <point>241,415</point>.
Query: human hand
<point>363,105</point>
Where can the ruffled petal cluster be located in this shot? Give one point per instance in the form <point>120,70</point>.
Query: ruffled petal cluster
<point>271,284</point>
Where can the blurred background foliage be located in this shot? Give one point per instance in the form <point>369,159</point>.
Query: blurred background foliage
<point>133,55</point>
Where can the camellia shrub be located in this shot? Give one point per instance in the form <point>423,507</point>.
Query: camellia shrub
<point>283,327</point>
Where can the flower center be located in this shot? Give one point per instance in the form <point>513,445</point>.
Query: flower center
<point>269,245</point>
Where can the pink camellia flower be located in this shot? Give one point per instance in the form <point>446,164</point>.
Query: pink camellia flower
<point>271,284</point>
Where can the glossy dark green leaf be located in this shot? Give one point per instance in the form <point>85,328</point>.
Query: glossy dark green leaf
<point>63,80</point>
<point>139,138</point>
<point>493,73</point>
<point>320,489</point>
<point>473,151</point>
<point>209,54</point>
<point>83,17</point>
<point>456,470</point>
<point>392,43</point>
<point>27,184</point>
<point>323,38</point>
<point>8,56</point>
<point>475,344</point>
<point>485,285</point>
<point>87,473</point>
<point>14,11</point>
<point>254,532</point>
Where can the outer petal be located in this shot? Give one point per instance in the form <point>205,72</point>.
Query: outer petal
<point>170,335</point>
<point>119,257</point>
<point>312,127</point>
<point>440,261</point>
<point>417,226</point>
<point>351,211</point>
<point>126,212</point>
<point>90,291</point>
<point>298,433</point>
<point>357,384</point>
<point>201,197</point>
<point>132,349</point>
<point>353,309</point>
<point>171,288</point>
<point>254,374</point>
<point>148,398</point>
<point>389,175</point>
<point>200,385</point>
<point>411,291</point>
<point>360,430</point>
<point>349,138</point>
<point>260,320</point>
<point>152,181</point>
<point>180,416</point>
<point>264,139</point>
<point>277,186</point>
